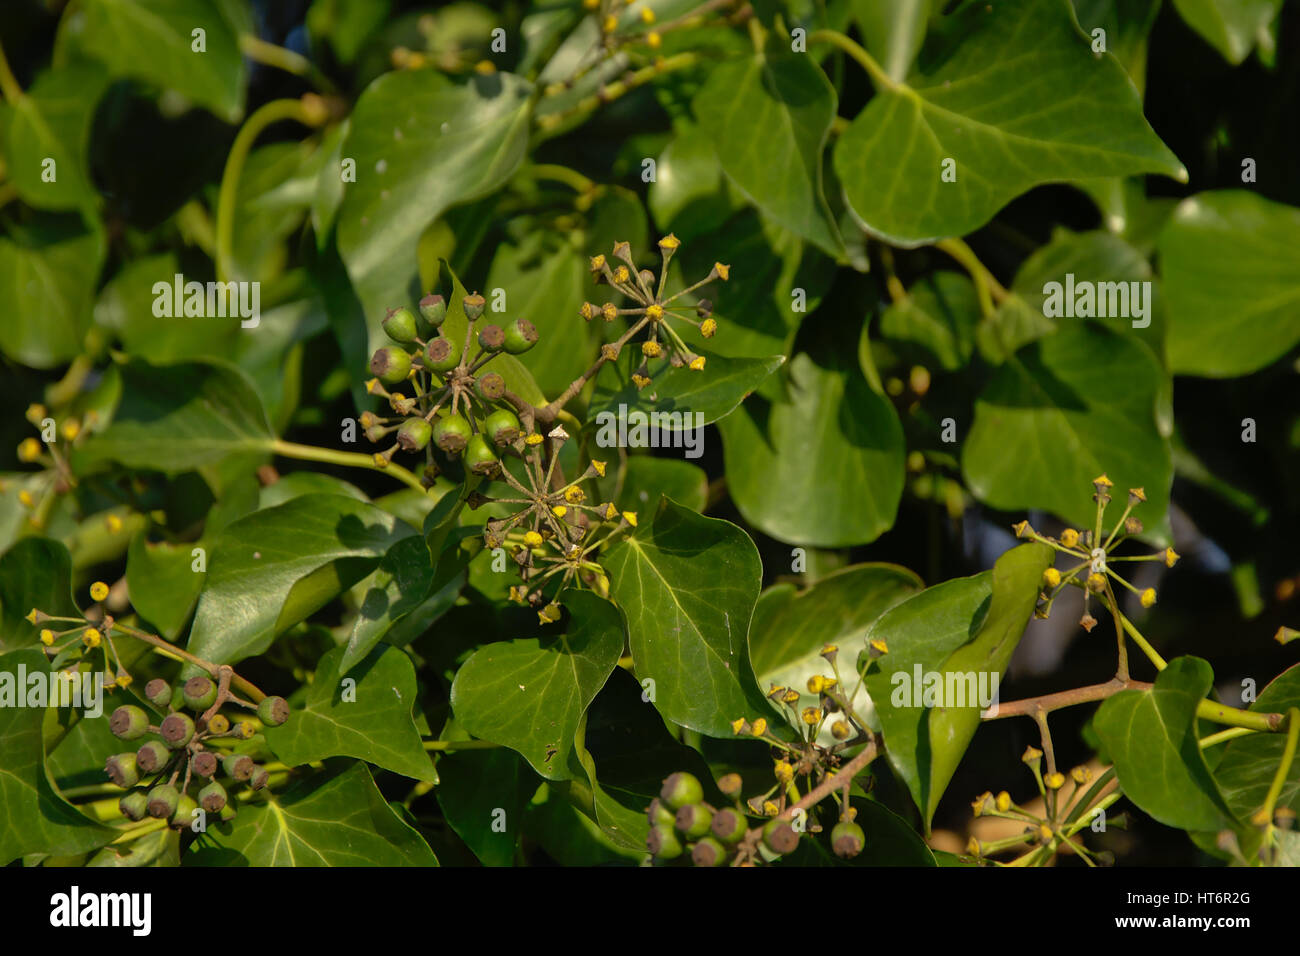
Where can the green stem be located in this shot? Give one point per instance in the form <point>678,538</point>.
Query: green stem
<point>879,78</point>
<point>280,58</point>
<point>1141,641</point>
<point>987,287</point>
<point>8,82</point>
<point>561,174</point>
<point>1223,735</point>
<point>272,112</point>
<point>348,459</point>
<point>1235,717</point>
<point>449,745</point>
<point>1265,815</point>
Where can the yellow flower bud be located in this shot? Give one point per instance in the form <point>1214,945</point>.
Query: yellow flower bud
<point>783,771</point>
<point>1096,582</point>
<point>91,637</point>
<point>36,413</point>
<point>610,24</point>
<point>738,725</point>
<point>1054,781</point>
<point>534,439</point>
<point>651,349</point>
<point>669,242</point>
<point>1031,755</point>
<point>1022,529</point>
<point>841,730</point>
<point>724,272</point>
<point>655,311</point>
<point>759,727</point>
<point>559,511</point>
<point>647,16</point>
<point>1171,557</point>
<point>98,591</point>
<point>697,364</point>
<point>124,679</point>
<point>791,697</point>
<point>1003,801</point>
<point>532,539</point>
<point>114,523</point>
<point>815,684</point>
<point>609,311</point>
<point>621,274</point>
<point>381,461</point>
<point>486,67</point>
<point>1148,597</point>
<point>811,715</point>
<point>1069,537</point>
<point>25,498</point>
<point>1103,482</point>
<point>47,636</point>
<point>1051,577</point>
<point>610,512</point>
<point>877,648</point>
<point>770,809</point>
<point>640,380</point>
<point>71,429</point>
<point>1081,774</point>
<point>574,495</point>
<point>29,449</point>
<point>630,517</point>
<point>709,327</point>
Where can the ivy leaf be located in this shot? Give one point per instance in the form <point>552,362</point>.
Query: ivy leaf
<point>34,573</point>
<point>1019,102</point>
<point>832,441</point>
<point>258,562</point>
<point>646,478</point>
<point>482,795</point>
<point>370,720</point>
<point>681,394</point>
<point>530,693</point>
<point>336,819</point>
<point>35,818</point>
<point>1053,418</point>
<point>1232,27</point>
<point>154,41</point>
<point>770,115</point>
<point>422,143</point>
<point>162,581</point>
<point>1249,764</point>
<point>687,586</point>
<point>1151,737</point>
<point>893,31</point>
<point>174,418</point>
<point>789,630</point>
<point>397,587</point>
<point>1232,282</point>
<point>935,323</point>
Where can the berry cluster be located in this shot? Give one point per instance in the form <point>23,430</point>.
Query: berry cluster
<point>456,407</point>
<point>187,745</point>
<point>680,820</point>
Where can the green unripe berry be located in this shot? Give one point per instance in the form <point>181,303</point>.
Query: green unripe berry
<point>273,711</point>
<point>502,426</point>
<point>680,789</point>
<point>204,763</point>
<point>521,335</point>
<point>662,842</point>
<point>259,778</point>
<point>390,364</point>
<point>163,800</point>
<point>199,693</point>
<point>434,310</point>
<point>847,839</point>
<point>780,836</point>
<point>152,757</point>
<point>441,355</point>
<point>158,692</point>
<point>728,826</point>
<point>238,767</point>
<point>692,821</point>
<point>414,434</point>
<point>657,813</point>
<point>176,730</point>
<point>480,458</point>
<point>452,433</point>
<point>219,724</point>
<point>128,722</point>
<point>492,337</point>
<point>183,815</point>
<point>134,805</point>
<point>708,852</point>
<point>375,434</point>
<point>399,325</point>
<point>122,770</point>
<point>212,797</point>
<point>473,305</point>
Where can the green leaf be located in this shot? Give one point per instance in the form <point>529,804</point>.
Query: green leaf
<point>680,393</point>
<point>770,116</point>
<point>482,794</point>
<point>337,819</point>
<point>529,694</point>
<point>689,194</point>
<point>47,284</point>
<point>174,418</point>
<point>789,630</point>
<point>369,718</point>
<point>1151,737</point>
<point>1232,27</point>
<point>935,323</point>
<point>1127,25</point>
<point>162,581</point>
<point>824,466</point>
<point>397,587</point>
<point>1062,411</point>
<point>646,478</point>
<point>34,573</point>
<point>153,40</point>
<point>51,123</point>
<point>257,561</point>
<point>893,31</point>
<point>1232,283</point>
<point>687,586</point>
<point>35,818</point>
<point>160,848</point>
<point>1020,101</point>
<point>938,642</point>
<point>1249,764</point>
<point>422,144</point>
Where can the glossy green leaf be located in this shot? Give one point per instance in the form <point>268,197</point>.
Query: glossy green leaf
<point>173,418</point>
<point>1062,411</point>
<point>770,116</point>
<point>155,41</point>
<point>790,629</point>
<point>257,561</point>
<point>1249,764</point>
<point>687,586</point>
<point>34,573</point>
<point>35,818</point>
<point>1232,281</point>
<point>935,323</point>
<point>339,819</point>
<point>163,583</point>
<point>823,467</point>
<point>893,31</point>
<point>690,193</point>
<point>397,587</point>
<point>529,694</point>
<point>1020,101</point>
<point>364,712</point>
<point>679,393</point>
<point>1151,736</point>
<point>646,478</point>
<point>422,143</point>
<point>1127,24</point>
<point>483,795</point>
<point>1233,27</point>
